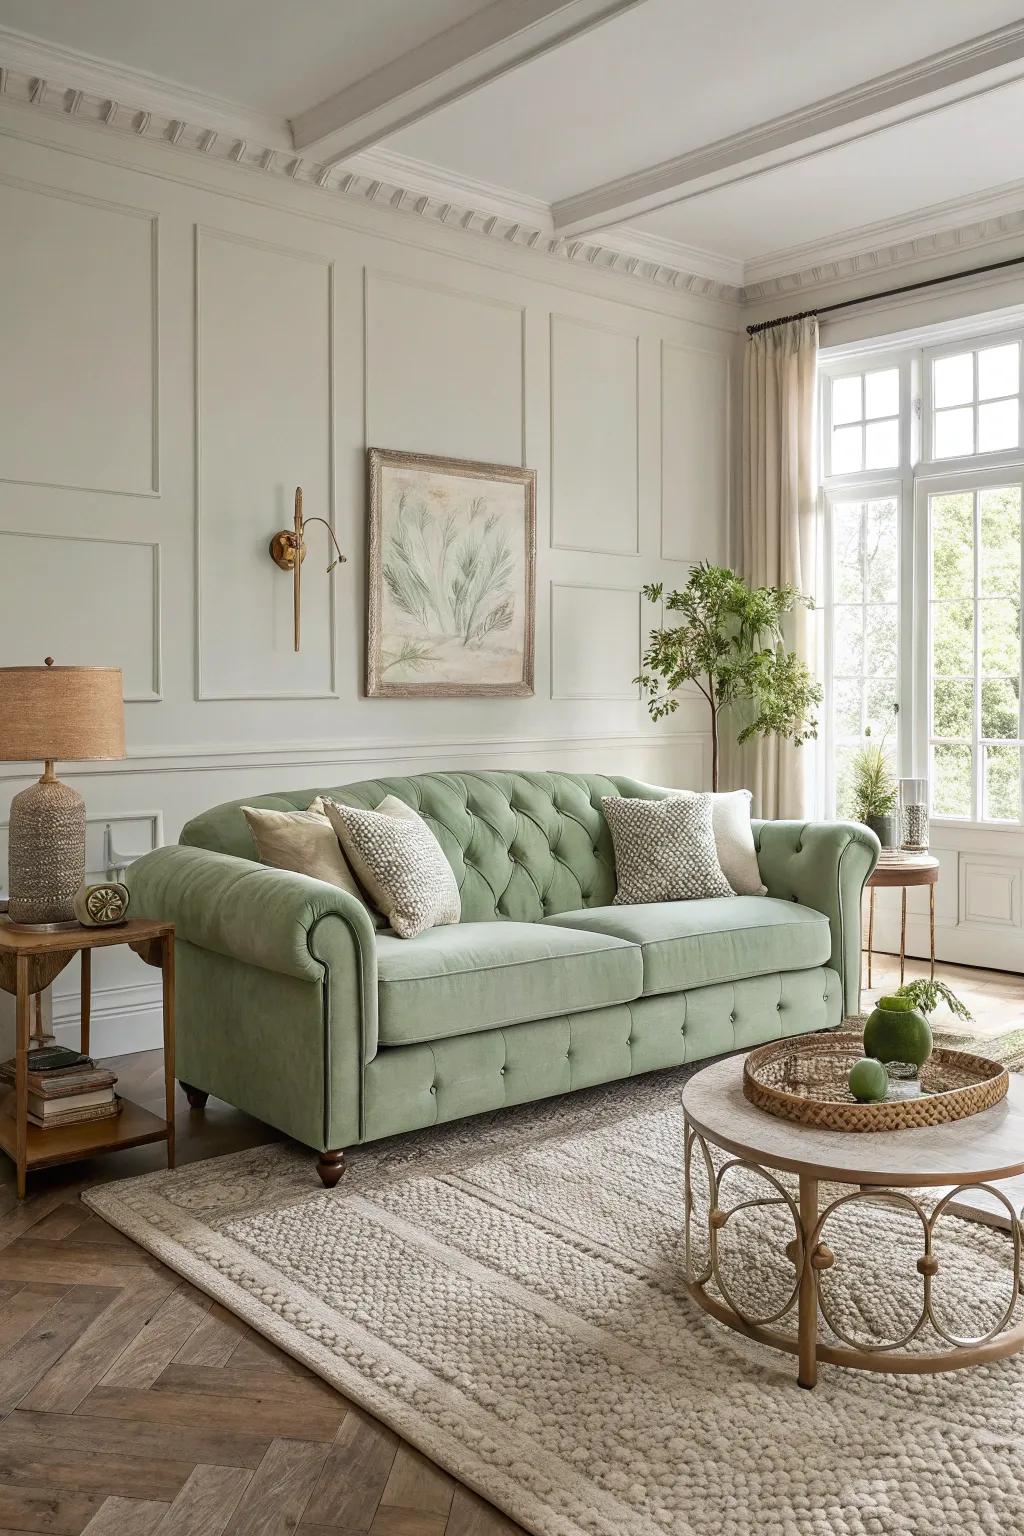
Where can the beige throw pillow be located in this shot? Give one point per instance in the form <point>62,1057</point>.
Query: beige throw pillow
<point>734,840</point>
<point>399,863</point>
<point>303,841</point>
<point>664,849</point>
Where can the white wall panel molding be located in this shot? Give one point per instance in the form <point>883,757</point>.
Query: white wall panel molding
<point>56,96</point>
<point>990,891</point>
<point>482,412</point>
<point>125,1018</point>
<point>109,254</point>
<point>596,640</point>
<point>132,832</point>
<point>303,313</point>
<point>351,756</point>
<point>595,437</point>
<point>80,574</point>
<point>286,422</point>
<point>696,453</point>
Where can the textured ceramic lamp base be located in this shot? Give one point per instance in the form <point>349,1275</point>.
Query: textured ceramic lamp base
<point>47,852</point>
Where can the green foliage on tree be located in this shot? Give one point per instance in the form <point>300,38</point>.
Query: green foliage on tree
<point>728,642</point>
<point>957,547</point>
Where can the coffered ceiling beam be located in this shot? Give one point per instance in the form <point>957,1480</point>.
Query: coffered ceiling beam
<point>489,43</point>
<point>980,65</point>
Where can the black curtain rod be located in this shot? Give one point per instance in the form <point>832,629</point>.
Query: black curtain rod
<point>887,293</point>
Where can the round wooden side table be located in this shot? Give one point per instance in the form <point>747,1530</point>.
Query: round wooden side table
<point>906,872</point>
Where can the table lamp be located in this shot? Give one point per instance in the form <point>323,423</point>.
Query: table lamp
<point>50,713</point>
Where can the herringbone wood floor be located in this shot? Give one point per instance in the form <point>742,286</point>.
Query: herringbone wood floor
<point>130,1404</point>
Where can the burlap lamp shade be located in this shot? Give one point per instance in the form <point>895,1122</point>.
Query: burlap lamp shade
<point>47,714</point>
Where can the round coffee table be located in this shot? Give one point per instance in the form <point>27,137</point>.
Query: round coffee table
<point>880,1167</point>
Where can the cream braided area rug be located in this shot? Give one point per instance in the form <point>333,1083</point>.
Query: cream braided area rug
<point>507,1294</point>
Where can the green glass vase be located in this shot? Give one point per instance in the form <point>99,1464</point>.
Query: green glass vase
<point>896,1030</point>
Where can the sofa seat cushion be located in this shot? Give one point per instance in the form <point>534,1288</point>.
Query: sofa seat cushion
<point>698,943</point>
<point>467,977</point>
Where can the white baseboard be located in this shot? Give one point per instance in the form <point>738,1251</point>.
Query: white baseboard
<point>124,1019</point>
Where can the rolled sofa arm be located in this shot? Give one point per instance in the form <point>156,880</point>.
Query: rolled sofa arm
<point>822,864</point>
<point>270,918</point>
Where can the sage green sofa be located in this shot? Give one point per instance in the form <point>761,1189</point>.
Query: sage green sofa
<point>293,1006</point>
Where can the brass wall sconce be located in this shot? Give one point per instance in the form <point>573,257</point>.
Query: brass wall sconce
<point>284,547</point>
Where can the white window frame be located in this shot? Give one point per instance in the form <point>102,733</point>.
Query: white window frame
<point>850,369</point>
<point>993,477</point>
<point>918,476</point>
<point>929,464</point>
<point>864,490</point>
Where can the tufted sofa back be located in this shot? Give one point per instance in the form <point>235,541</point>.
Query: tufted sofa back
<point>522,845</point>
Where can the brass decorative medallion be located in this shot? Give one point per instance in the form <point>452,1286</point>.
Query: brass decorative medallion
<point>101,906</point>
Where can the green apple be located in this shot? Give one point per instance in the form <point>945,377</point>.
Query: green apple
<point>868,1081</point>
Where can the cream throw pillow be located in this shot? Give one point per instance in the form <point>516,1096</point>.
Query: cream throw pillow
<point>399,863</point>
<point>303,841</point>
<point>664,849</point>
<point>730,817</point>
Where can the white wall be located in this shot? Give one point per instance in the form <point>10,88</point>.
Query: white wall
<point>183,345</point>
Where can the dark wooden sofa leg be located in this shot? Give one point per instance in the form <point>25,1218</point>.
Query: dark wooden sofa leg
<point>330,1166</point>
<point>196,1097</point>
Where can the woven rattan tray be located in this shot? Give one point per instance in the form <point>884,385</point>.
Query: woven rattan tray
<point>805,1079</point>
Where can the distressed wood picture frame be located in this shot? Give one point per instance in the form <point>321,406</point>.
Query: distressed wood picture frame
<point>452,554</point>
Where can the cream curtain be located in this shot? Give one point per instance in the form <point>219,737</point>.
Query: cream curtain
<point>778,532</point>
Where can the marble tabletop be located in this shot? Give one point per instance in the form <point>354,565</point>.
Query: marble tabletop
<point>988,1145</point>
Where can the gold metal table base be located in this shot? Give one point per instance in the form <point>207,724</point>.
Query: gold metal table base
<point>811,1257</point>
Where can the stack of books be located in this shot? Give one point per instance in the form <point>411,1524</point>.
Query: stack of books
<point>65,1088</point>
<point>905,856</point>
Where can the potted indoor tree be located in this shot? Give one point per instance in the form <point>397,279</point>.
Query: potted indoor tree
<point>727,640</point>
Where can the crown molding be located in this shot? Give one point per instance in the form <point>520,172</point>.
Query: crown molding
<point>119,82</point>
<point>375,178</point>
<point>939,220</point>
<point>135,105</point>
<point>931,233</point>
<point>532,212</point>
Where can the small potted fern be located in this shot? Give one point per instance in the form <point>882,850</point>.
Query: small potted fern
<point>875,794</point>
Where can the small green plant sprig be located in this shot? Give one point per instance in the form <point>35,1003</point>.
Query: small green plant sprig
<point>927,995</point>
<point>874,790</point>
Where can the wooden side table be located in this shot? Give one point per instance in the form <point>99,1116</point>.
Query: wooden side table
<point>32,1146</point>
<point>905,873</point>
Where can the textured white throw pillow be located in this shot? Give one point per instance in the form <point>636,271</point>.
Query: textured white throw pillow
<point>399,863</point>
<point>734,840</point>
<point>303,841</point>
<point>664,849</point>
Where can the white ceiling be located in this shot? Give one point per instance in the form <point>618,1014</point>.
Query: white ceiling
<point>675,74</point>
<point>549,101</point>
<point>263,54</point>
<point>944,155</point>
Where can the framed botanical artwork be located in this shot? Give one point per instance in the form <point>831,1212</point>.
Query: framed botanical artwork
<point>452,550</point>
